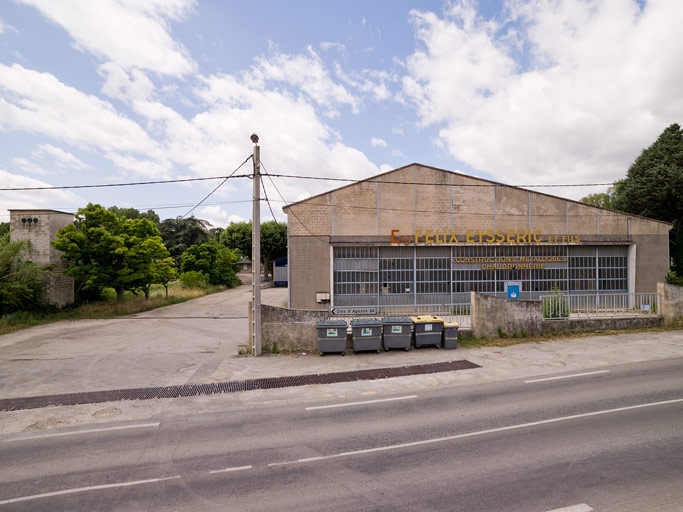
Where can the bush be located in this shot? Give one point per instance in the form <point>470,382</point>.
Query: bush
<point>556,306</point>
<point>194,279</point>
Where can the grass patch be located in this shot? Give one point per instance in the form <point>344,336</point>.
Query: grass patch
<point>107,307</point>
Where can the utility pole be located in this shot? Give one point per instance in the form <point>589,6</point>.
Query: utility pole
<point>256,252</point>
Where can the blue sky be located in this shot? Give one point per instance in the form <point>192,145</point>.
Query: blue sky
<point>537,92</point>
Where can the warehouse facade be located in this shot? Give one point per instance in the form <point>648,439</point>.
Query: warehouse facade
<point>419,236</point>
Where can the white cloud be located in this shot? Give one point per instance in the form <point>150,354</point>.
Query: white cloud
<point>377,142</point>
<point>42,104</point>
<point>131,33</point>
<point>121,85</point>
<point>28,166</point>
<point>62,158</point>
<point>218,217</point>
<point>46,199</point>
<point>307,73</point>
<point>562,91</point>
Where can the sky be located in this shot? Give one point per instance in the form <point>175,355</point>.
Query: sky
<point>561,93</point>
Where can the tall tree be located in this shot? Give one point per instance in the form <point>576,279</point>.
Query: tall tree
<point>133,213</point>
<point>237,236</point>
<point>653,187</point>
<point>21,281</point>
<point>180,233</point>
<point>601,199</point>
<point>214,260</point>
<point>273,241</point>
<point>101,250</point>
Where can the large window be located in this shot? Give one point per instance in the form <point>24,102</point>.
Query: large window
<point>447,274</point>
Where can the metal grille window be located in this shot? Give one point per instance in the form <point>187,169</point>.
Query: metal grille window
<point>613,273</point>
<point>355,270</point>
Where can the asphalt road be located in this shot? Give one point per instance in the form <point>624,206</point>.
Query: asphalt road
<point>608,439</point>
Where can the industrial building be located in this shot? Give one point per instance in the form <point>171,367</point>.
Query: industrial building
<point>419,236</point>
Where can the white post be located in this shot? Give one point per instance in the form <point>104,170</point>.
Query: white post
<point>256,251</point>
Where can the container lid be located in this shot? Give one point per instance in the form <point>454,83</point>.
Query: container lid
<point>332,323</point>
<point>451,324</point>
<point>397,320</point>
<point>426,319</point>
<point>359,322</point>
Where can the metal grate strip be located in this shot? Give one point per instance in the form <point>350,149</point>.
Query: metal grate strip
<point>115,395</point>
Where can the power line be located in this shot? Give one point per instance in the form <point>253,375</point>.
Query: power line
<point>292,176</point>
<point>219,186</point>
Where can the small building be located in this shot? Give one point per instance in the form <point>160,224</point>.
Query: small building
<point>40,228</point>
<point>419,235</point>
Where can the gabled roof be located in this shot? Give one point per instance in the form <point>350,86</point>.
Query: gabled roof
<point>474,178</point>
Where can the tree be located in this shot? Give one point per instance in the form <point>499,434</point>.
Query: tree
<point>178,234</point>
<point>237,236</point>
<point>4,228</point>
<point>653,187</point>
<point>22,287</point>
<point>273,243</point>
<point>214,260</point>
<point>165,271</point>
<point>101,250</point>
<point>132,213</point>
<point>601,199</point>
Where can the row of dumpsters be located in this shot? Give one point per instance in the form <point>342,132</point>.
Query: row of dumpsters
<point>372,334</point>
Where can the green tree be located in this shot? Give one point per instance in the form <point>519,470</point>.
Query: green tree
<point>237,236</point>
<point>601,199</point>
<point>165,271</point>
<point>132,213</point>
<point>101,250</point>
<point>653,187</point>
<point>4,228</point>
<point>273,243</point>
<point>22,286</point>
<point>178,234</point>
<point>214,260</point>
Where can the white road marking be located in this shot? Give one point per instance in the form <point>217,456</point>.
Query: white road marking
<point>85,489</point>
<point>77,432</point>
<point>566,376</point>
<point>230,470</point>
<point>349,404</point>
<point>574,508</point>
<point>474,434</point>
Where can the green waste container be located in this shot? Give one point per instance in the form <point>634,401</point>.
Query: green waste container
<point>397,332</point>
<point>332,336</point>
<point>367,334</point>
<point>427,330</point>
<point>450,335</point>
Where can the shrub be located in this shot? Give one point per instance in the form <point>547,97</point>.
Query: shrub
<point>194,279</point>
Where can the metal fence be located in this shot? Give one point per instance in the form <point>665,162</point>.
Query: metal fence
<point>557,307</point>
<point>460,313</point>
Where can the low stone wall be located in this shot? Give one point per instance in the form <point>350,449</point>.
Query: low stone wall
<point>600,324</point>
<point>289,330</point>
<point>294,330</point>
<point>671,304</point>
<point>492,316</point>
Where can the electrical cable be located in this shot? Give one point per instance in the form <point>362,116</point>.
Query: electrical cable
<point>219,186</point>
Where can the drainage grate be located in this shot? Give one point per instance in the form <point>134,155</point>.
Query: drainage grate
<point>115,395</point>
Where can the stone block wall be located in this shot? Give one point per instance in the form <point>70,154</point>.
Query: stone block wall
<point>671,304</point>
<point>491,314</point>
<point>59,289</point>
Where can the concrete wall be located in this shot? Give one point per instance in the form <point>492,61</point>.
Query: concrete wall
<point>293,330</point>
<point>489,314</point>
<point>671,304</point>
<point>59,289</point>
